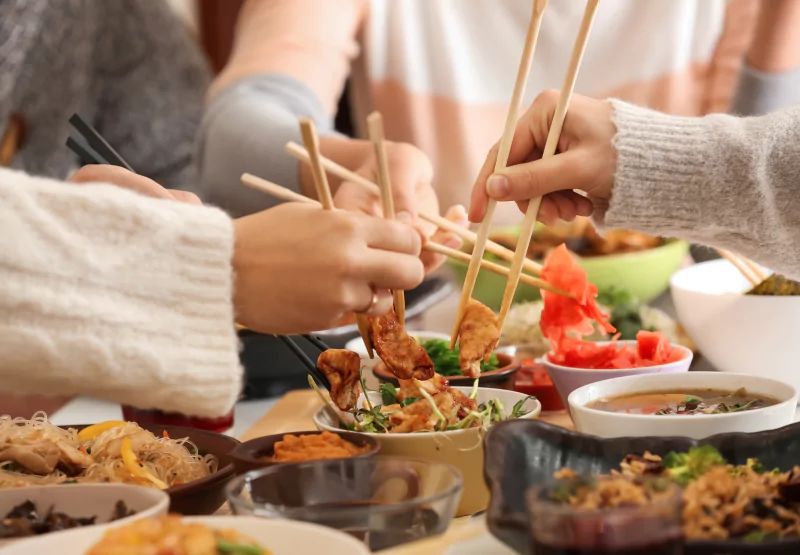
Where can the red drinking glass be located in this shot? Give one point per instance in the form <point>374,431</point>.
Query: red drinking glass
<point>161,418</point>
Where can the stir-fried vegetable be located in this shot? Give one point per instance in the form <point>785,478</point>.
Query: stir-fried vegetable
<point>445,361</point>
<point>235,548</point>
<point>685,467</point>
<point>91,432</point>
<point>132,465</point>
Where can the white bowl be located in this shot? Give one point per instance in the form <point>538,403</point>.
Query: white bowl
<point>610,424</point>
<point>357,346</point>
<point>86,500</point>
<point>280,537</point>
<point>462,449</point>
<point>735,332</point>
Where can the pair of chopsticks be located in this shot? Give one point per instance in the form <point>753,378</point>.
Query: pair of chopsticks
<point>748,269</point>
<point>12,140</point>
<point>310,365</point>
<point>553,136</point>
<point>91,147</point>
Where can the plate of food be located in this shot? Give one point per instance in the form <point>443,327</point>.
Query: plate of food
<point>211,535</point>
<point>192,466</point>
<point>738,490</point>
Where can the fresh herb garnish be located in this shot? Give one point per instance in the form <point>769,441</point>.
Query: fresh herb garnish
<point>625,312</point>
<point>234,548</point>
<point>517,411</point>
<point>388,393</point>
<point>445,361</point>
<point>409,400</point>
<point>758,536</point>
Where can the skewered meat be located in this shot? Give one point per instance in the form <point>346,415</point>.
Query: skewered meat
<point>401,354</point>
<point>478,337</point>
<point>341,367</point>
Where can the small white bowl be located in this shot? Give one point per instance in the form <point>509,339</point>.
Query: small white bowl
<point>610,424</point>
<point>462,449</point>
<point>86,500</point>
<point>357,346</point>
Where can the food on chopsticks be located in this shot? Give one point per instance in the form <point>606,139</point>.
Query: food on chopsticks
<point>720,500</point>
<point>34,452</point>
<point>26,519</point>
<point>776,285</point>
<point>313,447</point>
<point>342,369</point>
<point>170,535</point>
<point>446,361</point>
<point>400,352</point>
<point>684,402</point>
<point>478,337</point>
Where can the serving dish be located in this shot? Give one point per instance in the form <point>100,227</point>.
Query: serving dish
<point>462,449</point>
<point>281,537</point>
<point>522,454</point>
<point>614,424</point>
<point>385,501</point>
<point>254,454</point>
<point>737,333</point>
<point>86,501</point>
<point>568,379</point>
<point>500,378</point>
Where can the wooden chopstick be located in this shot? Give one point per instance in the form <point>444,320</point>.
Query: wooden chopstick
<point>740,265</point>
<point>376,135</point>
<point>274,189</point>
<point>553,136</point>
<point>12,140</point>
<point>340,171</point>
<point>311,140</point>
<point>502,160</point>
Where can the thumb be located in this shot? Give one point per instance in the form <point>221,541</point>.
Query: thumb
<point>538,178</point>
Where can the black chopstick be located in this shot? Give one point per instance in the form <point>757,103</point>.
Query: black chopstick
<point>84,151</point>
<point>97,143</point>
<point>317,342</point>
<point>311,367</point>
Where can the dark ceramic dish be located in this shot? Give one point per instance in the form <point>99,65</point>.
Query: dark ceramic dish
<point>501,378</point>
<point>204,496</point>
<point>525,453</point>
<point>255,454</point>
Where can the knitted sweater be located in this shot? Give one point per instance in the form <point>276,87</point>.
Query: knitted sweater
<point>111,294</point>
<point>718,180</point>
<point>129,67</point>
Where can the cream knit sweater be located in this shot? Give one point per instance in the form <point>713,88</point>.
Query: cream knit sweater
<point>107,293</point>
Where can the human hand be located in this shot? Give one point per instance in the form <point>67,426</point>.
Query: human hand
<point>300,268</point>
<point>129,180</point>
<point>586,161</point>
<point>431,260</point>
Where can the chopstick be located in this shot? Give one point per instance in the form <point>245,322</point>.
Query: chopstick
<point>553,136</point>
<point>12,140</point>
<point>745,267</point>
<point>311,140</point>
<point>310,365</point>
<point>96,143</point>
<point>376,135</point>
<point>290,196</point>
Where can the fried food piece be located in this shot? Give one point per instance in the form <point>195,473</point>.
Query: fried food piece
<point>341,367</point>
<point>401,354</point>
<point>478,337</point>
<point>410,388</point>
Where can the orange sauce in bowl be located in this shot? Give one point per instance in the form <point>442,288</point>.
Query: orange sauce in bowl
<point>315,447</point>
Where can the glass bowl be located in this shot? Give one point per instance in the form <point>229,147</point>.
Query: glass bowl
<point>384,501</point>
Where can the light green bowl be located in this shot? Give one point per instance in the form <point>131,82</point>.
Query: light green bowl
<point>644,274</point>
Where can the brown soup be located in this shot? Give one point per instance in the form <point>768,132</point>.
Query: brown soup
<point>684,402</point>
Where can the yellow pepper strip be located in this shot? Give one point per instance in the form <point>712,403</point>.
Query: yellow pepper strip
<point>131,463</point>
<point>92,432</point>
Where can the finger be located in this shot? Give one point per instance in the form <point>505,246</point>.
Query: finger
<point>548,212</point>
<point>565,205</point>
<point>185,196</point>
<point>533,127</point>
<point>392,270</point>
<point>409,169</point>
<point>374,306</point>
<point>392,236</point>
<point>355,198</point>
<point>584,206</point>
<point>121,178</point>
<point>567,171</point>
<point>479,199</point>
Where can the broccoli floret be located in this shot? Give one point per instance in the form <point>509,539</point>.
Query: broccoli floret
<point>756,466</point>
<point>685,467</point>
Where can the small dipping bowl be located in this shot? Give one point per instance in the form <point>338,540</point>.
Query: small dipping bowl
<point>382,501</point>
<point>651,529</point>
<point>568,379</point>
<point>257,453</point>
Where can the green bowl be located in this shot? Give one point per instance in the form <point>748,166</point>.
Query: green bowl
<point>644,274</point>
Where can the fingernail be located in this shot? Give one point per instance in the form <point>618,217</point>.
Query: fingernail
<point>404,217</point>
<point>497,186</point>
<point>453,242</point>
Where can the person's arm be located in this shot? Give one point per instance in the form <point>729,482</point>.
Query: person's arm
<point>150,83</point>
<point>770,77</point>
<point>291,59</point>
<point>111,294</point>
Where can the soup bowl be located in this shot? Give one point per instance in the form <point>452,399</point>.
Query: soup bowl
<point>462,449</point>
<point>606,424</point>
<point>568,379</point>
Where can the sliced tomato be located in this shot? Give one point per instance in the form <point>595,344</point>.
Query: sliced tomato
<point>653,345</point>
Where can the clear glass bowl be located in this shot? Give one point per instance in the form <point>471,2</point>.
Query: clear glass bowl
<point>383,501</point>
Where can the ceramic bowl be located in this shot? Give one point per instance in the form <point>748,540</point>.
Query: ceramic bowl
<point>86,501</point>
<point>501,378</point>
<point>255,454</point>
<point>568,379</point>
<point>613,424</point>
<point>737,333</point>
<point>462,449</point>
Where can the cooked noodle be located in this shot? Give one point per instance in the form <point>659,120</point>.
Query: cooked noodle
<point>172,461</point>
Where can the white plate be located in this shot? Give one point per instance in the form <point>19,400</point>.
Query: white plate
<point>281,537</point>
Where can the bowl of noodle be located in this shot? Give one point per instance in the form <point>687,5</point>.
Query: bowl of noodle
<point>192,466</point>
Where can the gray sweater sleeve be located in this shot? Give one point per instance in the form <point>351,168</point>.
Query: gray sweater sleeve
<point>245,130</point>
<point>718,180</point>
<point>760,93</point>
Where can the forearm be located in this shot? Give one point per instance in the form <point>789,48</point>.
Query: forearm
<point>718,180</point>
<point>110,294</point>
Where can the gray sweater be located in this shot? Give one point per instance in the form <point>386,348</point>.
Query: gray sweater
<point>127,66</point>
